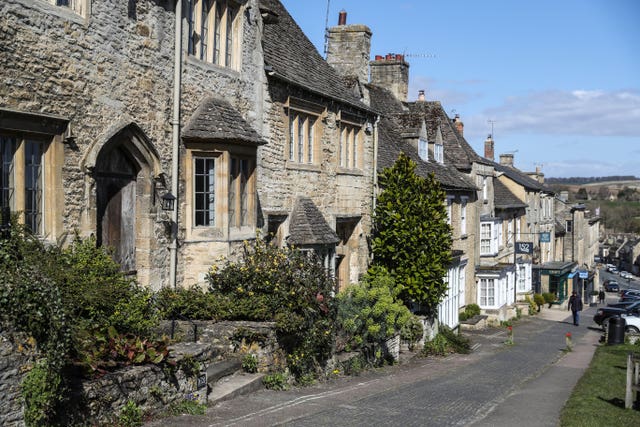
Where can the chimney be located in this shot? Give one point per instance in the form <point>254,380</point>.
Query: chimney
<point>488,148</point>
<point>342,17</point>
<point>506,160</point>
<point>392,73</point>
<point>564,195</point>
<point>459,124</point>
<point>421,97</point>
<point>348,49</point>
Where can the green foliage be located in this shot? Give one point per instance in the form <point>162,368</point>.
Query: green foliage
<point>411,236</point>
<point>189,365</point>
<point>190,303</point>
<point>276,381</point>
<point>130,416</point>
<point>186,407</point>
<point>469,311</point>
<point>533,307</point>
<point>108,350</point>
<point>445,342</point>
<point>285,285</point>
<point>549,298</point>
<point>250,363</point>
<point>539,299</point>
<point>369,312</point>
<point>412,331</point>
<point>42,392</point>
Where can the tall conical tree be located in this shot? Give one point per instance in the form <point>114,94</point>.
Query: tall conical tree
<point>412,237</point>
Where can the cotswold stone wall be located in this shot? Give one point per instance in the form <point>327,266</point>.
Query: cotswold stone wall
<point>14,359</point>
<point>108,70</point>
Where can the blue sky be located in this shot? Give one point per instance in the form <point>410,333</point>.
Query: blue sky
<point>559,79</point>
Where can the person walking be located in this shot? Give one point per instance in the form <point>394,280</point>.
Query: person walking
<point>601,296</point>
<point>575,305</point>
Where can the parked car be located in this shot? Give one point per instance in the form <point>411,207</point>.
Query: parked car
<point>630,293</point>
<point>603,314</point>
<point>611,286</point>
<point>632,323</point>
<point>625,275</point>
<point>628,305</point>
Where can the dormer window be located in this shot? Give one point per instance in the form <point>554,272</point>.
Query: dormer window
<point>438,153</point>
<point>423,149</point>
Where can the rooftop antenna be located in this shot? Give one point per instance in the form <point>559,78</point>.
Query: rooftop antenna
<point>326,30</point>
<point>491,122</point>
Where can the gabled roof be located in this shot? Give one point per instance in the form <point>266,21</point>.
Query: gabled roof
<point>504,198</point>
<point>307,226</point>
<point>216,120</point>
<point>294,59</point>
<point>520,177</point>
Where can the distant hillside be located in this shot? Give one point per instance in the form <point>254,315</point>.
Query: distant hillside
<point>589,180</point>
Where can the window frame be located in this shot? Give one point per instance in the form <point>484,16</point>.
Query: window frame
<point>79,7</point>
<point>213,32</point>
<point>423,149</point>
<point>194,194</point>
<point>312,115</point>
<point>486,240</point>
<point>438,153</point>
<point>487,284</point>
<point>463,215</point>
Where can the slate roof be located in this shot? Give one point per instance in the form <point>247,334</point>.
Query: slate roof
<point>307,226</point>
<point>520,177</point>
<point>216,120</point>
<point>391,129</point>
<point>294,59</point>
<point>504,198</point>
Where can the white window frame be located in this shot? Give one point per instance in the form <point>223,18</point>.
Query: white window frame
<point>522,277</point>
<point>210,207</point>
<point>423,149</point>
<point>350,150</point>
<point>485,191</point>
<point>438,153</point>
<point>487,297</point>
<point>449,204</point>
<point>486,240</point>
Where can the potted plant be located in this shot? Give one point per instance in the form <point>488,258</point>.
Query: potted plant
<point>594,298</point>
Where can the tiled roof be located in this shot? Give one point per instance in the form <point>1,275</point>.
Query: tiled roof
<point>504,198</point>
<point>216,120</point>
<point>294,59</point>
<point>308,227</point>
<point>520,177</point>
<point>391,128</point>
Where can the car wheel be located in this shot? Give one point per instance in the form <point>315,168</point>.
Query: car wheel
<point>632,330</point>
<point>605,324</point>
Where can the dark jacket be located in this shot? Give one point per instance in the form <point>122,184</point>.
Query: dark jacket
<point>575,303</point>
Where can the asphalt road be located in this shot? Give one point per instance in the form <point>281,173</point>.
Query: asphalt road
<point>453,391</point>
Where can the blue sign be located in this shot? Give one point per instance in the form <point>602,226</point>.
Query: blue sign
<point>524,248</point>
<point>583,274</point>
<point>545,237</point>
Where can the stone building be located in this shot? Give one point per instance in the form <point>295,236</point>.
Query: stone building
<point>107,106</point>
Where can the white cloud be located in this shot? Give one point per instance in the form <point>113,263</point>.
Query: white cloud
<point>578,112</point>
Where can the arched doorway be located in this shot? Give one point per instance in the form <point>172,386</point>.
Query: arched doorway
<point>116,175</point>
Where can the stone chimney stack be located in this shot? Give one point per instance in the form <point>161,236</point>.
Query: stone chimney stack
<point>421,97</point>
<point>392,73</point>
<point>349,49</point>
<point>459,124</point>
<point>488,148</point>
<point>506,160</point>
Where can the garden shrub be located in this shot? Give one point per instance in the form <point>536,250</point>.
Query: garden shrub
<point>288,286</point>
<point>469,311</point>
<point>275,381</point>
<point>369,312</point>
<point>539,300</point>
<point>445,342</point>
<point>412,331</point>
<point>549,298</point>
<point>533,308</point>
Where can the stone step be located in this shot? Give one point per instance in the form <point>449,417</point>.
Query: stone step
<point>222,369</point>
<point>233,386</point>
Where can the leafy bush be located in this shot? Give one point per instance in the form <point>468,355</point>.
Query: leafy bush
<point>186,407</point>
<point>533,307</point>
<point>469,311</point>
<point>445,342</point>
<point>285,285</point>
<point>369,312</point>
<point>250,363</point>
<point>275,381</point>
<point>549,298</point>
<point>41,391</point>
<point>130,416</point>
<point>539,299</point>
<point>412,331</point>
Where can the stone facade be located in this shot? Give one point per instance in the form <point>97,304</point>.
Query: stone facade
<point>14,359</point>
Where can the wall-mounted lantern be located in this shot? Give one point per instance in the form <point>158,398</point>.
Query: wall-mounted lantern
<point>168,201</point>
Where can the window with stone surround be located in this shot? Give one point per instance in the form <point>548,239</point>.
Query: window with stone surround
<point>438,153</point>
<point>350,148</point>
<point>463,216</point>
<point>213,31</point>
<point>423,149</point>
<point>303,132</point>
<point>30,161</point>
<point>485,238</point>
<point>81,7</point>
<point>222,191</point>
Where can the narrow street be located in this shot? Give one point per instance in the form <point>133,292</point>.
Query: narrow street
<point>469,389</point>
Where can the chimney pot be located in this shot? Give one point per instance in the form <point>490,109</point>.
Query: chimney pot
<point>389,56</point>
<point>488,148</point>
<point>379,57</point>
<point>342,17</point>
<point>421,95</point>
<point>459,124</point>
<point>399,57</point>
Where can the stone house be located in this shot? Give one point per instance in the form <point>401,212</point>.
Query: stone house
<point>109,106</point>
<point>418,129</point>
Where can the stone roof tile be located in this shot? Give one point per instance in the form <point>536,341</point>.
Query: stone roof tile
<point>307,226</point>
<point>504,198</point>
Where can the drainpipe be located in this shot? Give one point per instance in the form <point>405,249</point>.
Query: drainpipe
<point>177,72</point>
<point>374,194</point>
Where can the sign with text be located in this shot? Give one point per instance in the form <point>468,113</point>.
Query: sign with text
<point>524,248</point>
<point>583,274</point>
<point>545,237</point>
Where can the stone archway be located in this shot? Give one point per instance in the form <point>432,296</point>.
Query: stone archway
<point>124,170</point>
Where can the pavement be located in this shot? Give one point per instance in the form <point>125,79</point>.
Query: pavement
<point>526,384</point>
